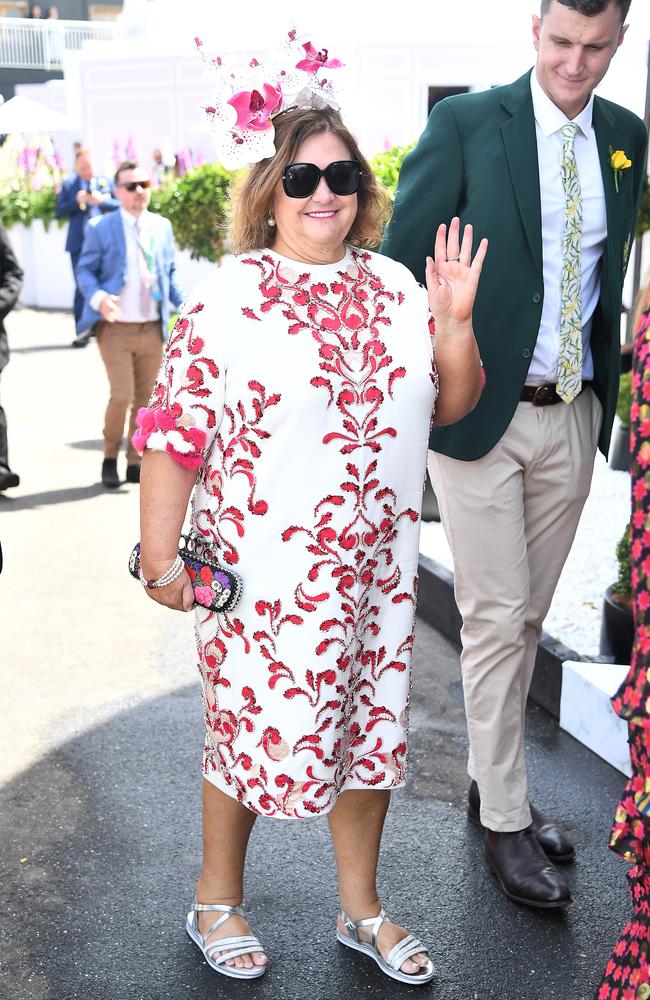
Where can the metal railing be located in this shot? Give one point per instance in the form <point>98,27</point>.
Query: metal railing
<point>41,44</point>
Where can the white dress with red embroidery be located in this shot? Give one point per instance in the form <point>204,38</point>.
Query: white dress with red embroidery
<point>304,395</point>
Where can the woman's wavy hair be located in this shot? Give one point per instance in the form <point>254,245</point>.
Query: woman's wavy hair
<point>251,198</point>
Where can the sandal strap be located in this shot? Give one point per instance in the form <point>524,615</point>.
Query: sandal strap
<point>218,908</point>
<point>403,950</point>
<point>233,947</point>
<point>226,913</point>
<point>352,926</point>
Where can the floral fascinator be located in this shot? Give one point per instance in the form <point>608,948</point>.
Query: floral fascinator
<point>245,99</point>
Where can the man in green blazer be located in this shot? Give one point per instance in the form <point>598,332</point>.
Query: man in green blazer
<point>552,176</point>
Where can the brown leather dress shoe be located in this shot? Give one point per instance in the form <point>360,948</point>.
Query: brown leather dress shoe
<point>551,837</point>
<point>523,871</point>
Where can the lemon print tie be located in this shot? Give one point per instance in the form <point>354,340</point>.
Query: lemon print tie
<point>569,367</point>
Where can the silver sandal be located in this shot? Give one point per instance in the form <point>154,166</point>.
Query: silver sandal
<point>231,947</point>
<point>392,964</point>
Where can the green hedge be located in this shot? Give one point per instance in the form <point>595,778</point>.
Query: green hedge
<point>624,401</point>
<point>622,589</point>
<point>386,166</point>
<point>25,206</point>
<point>195,207</point>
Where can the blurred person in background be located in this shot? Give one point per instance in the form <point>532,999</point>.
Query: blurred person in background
<point>160,169</point>
<point>83,196</point>
<point>127,275</point>
<point>11,280</point>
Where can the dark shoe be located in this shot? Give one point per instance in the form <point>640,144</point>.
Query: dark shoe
<point>133,473</point>
<point>80,342</point>
<point>523,871</point>
<point>110,477</point>
<point>551,837</point>
<point>8,479</point>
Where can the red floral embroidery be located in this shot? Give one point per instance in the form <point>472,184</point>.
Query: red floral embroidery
<point>306,686</point>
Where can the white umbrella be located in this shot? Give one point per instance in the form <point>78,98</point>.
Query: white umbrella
<point>21,114</point>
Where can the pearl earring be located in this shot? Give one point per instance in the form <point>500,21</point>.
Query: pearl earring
<point>271,221</point>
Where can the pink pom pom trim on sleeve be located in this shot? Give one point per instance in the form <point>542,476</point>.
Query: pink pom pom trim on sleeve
<point>150,421</point>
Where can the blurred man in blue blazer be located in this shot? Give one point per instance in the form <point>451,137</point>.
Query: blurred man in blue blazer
<point>83,196</point>
<point>126,273</point>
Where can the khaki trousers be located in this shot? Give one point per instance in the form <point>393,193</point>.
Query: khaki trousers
<point>510,520</point>
<point>131,353</point>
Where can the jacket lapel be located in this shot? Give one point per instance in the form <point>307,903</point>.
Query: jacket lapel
<point>520,141</point>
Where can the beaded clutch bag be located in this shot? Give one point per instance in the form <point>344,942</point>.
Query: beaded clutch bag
<point>215,588</point>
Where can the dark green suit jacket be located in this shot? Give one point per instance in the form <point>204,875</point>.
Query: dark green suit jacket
<point>477,158</point>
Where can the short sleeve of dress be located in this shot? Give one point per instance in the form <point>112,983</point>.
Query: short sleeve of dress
<point>187,401</point>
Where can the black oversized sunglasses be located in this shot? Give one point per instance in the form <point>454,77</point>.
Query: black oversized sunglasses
<point>134,185</point>
<point>300,180</point>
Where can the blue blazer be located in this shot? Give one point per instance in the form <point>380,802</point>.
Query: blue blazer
<point>66,205</point>
<point>103,263</point>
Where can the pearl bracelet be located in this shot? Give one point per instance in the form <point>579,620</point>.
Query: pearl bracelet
<point>172,574</point>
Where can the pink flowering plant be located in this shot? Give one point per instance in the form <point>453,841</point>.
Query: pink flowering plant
<point>30,178</point>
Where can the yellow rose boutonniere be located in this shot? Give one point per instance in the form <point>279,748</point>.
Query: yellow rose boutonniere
<point>619,162</point>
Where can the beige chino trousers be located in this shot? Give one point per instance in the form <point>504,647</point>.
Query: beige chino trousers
<point>131,353</point>
<point>510,519</point>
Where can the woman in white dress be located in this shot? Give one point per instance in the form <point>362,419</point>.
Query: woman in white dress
<point>296,397</point>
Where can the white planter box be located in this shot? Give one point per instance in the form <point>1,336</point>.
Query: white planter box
<point>586,712</point>
<point>48,280</point>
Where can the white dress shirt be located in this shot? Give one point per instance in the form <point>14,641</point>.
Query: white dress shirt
<point>549,121</point>
<point>130,293</point>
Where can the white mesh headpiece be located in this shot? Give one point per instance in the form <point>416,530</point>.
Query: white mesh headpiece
<point>246,98</point>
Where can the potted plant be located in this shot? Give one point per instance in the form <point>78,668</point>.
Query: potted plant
<point>619,459</point>
<point>617,628</point>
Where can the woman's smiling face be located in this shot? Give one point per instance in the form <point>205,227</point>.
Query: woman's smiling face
<point>313,229</point>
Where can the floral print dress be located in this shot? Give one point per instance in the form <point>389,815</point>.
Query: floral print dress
<point>303,394</point>
<point>627,976</point>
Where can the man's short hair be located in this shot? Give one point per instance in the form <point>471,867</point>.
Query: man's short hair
<point>590,7</point>
<point>125,165</point>
<point>82,151</point>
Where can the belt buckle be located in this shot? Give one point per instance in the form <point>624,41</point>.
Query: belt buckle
<point>543,395</point>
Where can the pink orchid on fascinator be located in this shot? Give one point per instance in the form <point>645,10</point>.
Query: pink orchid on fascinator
<point>314,60</point>
<point>246,98</point>
<point>253,109</point>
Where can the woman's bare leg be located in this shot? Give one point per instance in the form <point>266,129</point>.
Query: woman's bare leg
<point>227,826</point>
<point>356,823</point>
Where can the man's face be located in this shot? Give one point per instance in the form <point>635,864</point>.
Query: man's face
<point>84,168</point>
<point>574,52</point>
<point>135,201</point>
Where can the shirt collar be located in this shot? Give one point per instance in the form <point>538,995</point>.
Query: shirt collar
<point>549,117</point>
<point>130,220</point>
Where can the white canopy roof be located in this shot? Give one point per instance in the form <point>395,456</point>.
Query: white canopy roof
<point>22,114</point>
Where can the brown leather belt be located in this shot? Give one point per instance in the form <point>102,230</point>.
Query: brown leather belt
<point>543,395</point>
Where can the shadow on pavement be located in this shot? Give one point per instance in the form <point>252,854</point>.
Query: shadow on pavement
<point>109,825</point>
<point>96,445</point>
<point>8,504</point>
<point>41,348</point>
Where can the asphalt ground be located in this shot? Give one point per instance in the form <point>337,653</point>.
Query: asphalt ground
<point>100,752</point>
